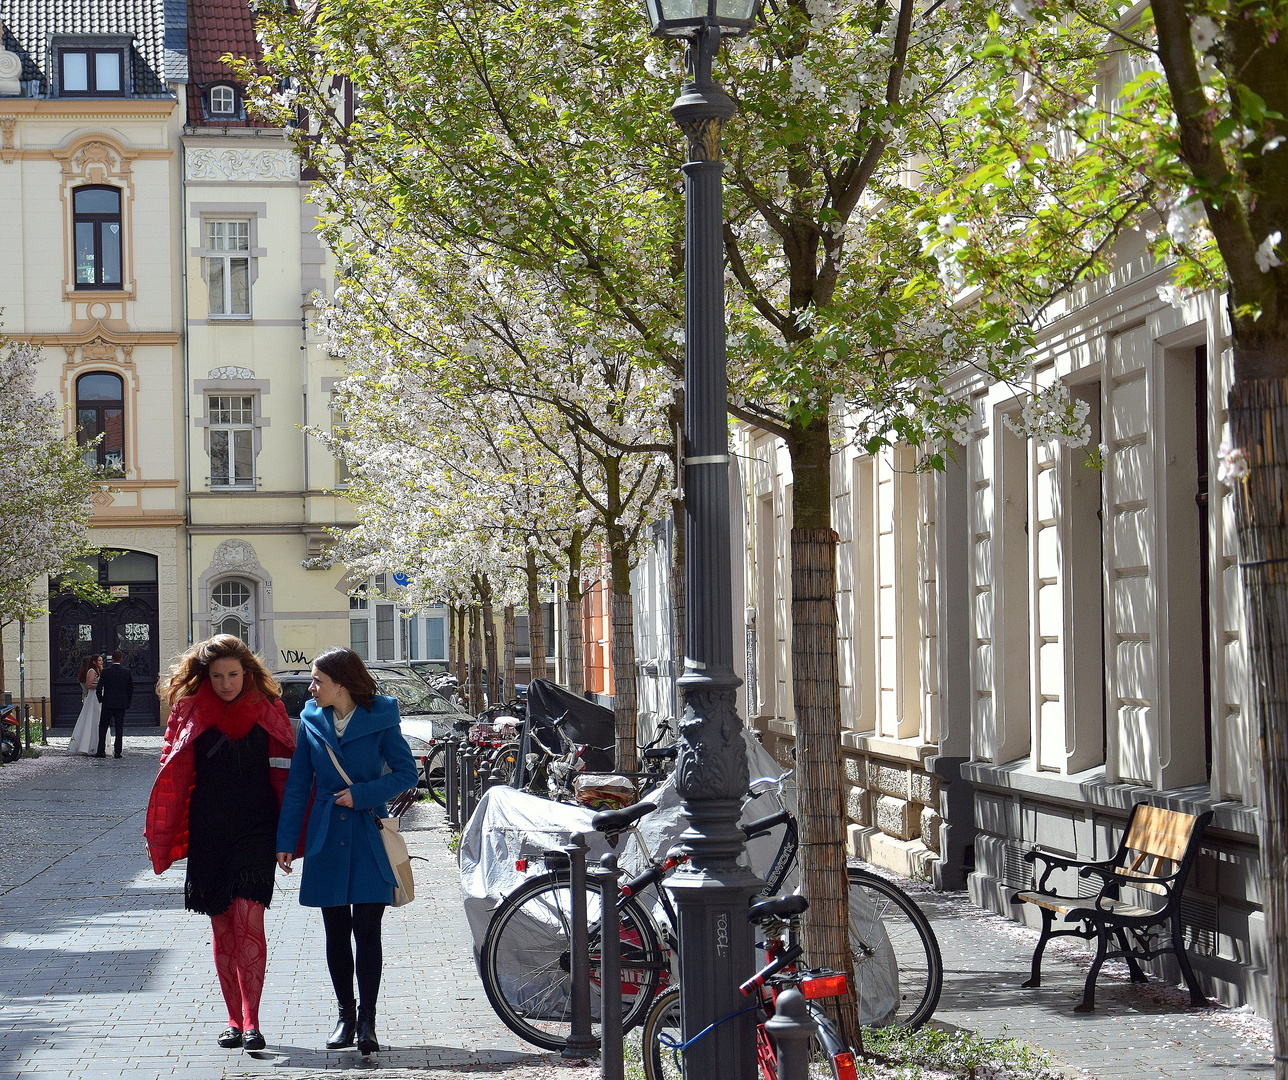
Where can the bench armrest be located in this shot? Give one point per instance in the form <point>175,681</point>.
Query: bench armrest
<point>1052,861</point>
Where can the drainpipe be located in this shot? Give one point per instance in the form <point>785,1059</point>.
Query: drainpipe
<point>187,374</point>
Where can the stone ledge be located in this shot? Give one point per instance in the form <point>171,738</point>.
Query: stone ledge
<point>908,858</point>
<point>913,750</point>
<point>1090,788</point>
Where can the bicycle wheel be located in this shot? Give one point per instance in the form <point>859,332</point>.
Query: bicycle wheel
<point>526,960</point>
<point>661,1039</point>
<point>898,970</point>
<point>436,774</point>
<point>505,761</point>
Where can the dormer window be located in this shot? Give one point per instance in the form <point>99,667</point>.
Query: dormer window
<point>223,101</point>
<point>89,72</point>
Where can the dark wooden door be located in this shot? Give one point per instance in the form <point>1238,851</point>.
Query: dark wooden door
<point>128,623</point>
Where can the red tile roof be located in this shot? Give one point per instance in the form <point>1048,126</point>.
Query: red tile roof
<point>215,28</point>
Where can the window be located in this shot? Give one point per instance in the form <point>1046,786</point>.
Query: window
<point>232,609</point>
<point>338,429</point>
<point>223,101</point>
<point>96,224</point>
<point>100,410</point>
<point>232,440</point>
<point>85,72</point>
<point>227,272</point>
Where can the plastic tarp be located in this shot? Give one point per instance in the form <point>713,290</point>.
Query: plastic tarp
<point>582,721</point>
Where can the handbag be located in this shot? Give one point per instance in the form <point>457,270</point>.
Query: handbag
<point>395,845</point>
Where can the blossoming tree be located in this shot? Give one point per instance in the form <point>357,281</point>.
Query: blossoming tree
<point>45,490</point>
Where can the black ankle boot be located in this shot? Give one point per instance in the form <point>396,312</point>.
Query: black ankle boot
<point>367,1032</point>
<point>342,1036</point>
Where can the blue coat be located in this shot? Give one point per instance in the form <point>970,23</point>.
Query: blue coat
<point>344,859</point>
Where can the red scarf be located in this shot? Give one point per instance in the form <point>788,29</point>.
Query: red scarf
<point>233,718</point>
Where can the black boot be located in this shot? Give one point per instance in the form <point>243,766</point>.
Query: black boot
<point>367,1031</point>
<point>342,1036</point>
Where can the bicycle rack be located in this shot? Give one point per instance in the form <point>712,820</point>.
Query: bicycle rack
<point>611,1065</point>
<point>581,1043</point>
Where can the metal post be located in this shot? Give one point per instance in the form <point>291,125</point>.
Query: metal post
<point>581,1043</point>
<point>44,721</point>
<point>712,889</point>
<point>22,684</point>
<point>466,783</point>
<point>449,780</point>
<point>611,1066</point>
<point>791,1028</point>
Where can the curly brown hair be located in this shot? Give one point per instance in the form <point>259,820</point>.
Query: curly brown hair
<point>191,669</point>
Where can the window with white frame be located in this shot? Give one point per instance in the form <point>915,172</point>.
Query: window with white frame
<point>223,100</point>
<point>379,630</point>
<point>232,440</point>
<point>228,267</point>
<point>232,611</point>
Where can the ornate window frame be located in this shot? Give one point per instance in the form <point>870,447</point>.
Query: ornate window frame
<point>235,558</point>
<point>252,213</point>
<point>240,382</point>
<point>97,159</point>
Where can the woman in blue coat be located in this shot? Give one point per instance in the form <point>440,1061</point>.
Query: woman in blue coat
<point>346,872</point>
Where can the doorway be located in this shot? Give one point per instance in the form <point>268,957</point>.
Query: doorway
<point>129,622</point>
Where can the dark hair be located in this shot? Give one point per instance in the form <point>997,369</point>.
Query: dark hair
<point>118,656</point>
<point>86,664</point>
<point>346,667</point>
<point>192,668</point>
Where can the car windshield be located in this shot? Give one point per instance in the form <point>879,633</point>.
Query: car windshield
<point>414,697</point>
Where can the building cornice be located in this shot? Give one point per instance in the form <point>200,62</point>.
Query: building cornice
<point>82,108</point>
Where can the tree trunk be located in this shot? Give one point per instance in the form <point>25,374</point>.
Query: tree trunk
<point>625,693</point>
<point>476,661</point>
<point>572,613</point>
<point>816,694</point>
<point>536,619</point>
<point>462,649</point>
<point>507,644</point>
<point>1259,424</point>
<point>490,669</point>
<point>453,645</point>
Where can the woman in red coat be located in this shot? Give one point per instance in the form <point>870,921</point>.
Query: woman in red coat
<point>216,800</point>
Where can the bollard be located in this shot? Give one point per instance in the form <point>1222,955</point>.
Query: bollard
<point>469,786</point>
<point>450,769</point>
<point>611,1066</point>
<point>44,722</point>
<point>791,1029</point>
<point>465,760</point>
<point>581,1043</point>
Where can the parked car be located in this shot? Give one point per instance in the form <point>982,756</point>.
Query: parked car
<point>426,716</point>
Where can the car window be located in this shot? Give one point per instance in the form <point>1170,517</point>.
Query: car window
<point>295,696</point>
<point>413,696</point>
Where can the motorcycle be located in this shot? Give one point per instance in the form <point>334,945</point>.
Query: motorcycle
<point>10,736</point>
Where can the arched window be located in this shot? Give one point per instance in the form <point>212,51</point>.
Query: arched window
<point>96,217</point>
<point>100,410</point>
<point>232,609</point>
<point>223,100</point>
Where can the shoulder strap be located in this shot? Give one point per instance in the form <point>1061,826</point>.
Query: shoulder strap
<point>338,767</point>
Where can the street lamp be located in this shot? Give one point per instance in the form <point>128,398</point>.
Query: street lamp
<point>713,888</point>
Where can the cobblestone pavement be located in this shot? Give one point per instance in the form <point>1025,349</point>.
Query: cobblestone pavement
<point>103,974</point>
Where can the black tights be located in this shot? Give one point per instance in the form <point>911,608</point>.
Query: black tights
<point>362,922</point>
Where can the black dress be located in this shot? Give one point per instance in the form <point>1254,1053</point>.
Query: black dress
<point>232,823</point>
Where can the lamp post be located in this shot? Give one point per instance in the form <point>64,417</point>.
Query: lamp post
<point>712,889</point>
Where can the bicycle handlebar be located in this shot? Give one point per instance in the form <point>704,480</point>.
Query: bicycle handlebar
<point>787,956</point>
<point>754,829</point>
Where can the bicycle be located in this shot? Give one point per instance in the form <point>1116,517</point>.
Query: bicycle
<point>662,1042</point>
<point>524,957</point>
<point>493,731</point>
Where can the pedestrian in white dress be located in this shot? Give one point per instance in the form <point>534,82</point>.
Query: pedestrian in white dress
<point>85,734</point>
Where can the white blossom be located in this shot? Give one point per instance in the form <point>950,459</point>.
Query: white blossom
<point>1203,33</point>
<point>1265,256</point>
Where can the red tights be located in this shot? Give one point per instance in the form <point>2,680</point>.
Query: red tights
<point>241,955</point>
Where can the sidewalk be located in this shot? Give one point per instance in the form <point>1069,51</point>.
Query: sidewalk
<point>103,974</point>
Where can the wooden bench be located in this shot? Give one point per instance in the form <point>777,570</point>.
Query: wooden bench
<point>1154,857</point>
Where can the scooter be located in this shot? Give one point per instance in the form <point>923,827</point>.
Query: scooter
<point>10,737</point>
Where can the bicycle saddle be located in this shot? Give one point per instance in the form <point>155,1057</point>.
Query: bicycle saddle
<point>777,908</point>
<point>611,821</point>
<point>661,752</point>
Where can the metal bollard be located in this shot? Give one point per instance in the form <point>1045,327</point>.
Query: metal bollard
<point>791,1029</point>
<point>581,1043</point>
<point>449,780</point>
<point>465,782</point>
<point>611,1066</point>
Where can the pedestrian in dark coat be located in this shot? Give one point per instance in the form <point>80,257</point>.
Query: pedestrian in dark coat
<point>215,802</point>
<point>115,691</point>
<point>346,872</point>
